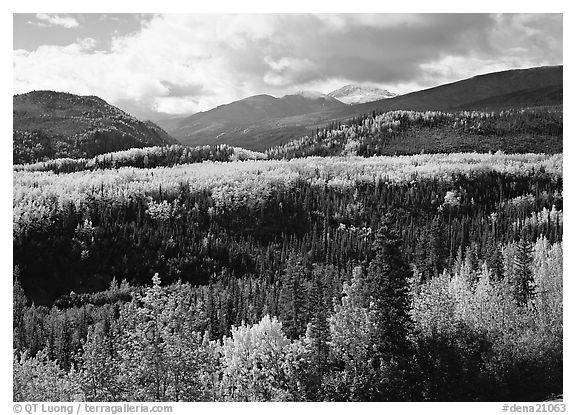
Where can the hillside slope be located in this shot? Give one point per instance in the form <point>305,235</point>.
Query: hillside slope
<point>546,96</point>
<point>48,124</point>
<point>465,93</point>
<point>520,130</point>
<point>493,91</point>
<point>227,122</point>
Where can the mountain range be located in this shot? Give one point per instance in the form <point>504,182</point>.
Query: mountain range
<point>246,124</point>
<point>52,124</point>
<point>227,122</point>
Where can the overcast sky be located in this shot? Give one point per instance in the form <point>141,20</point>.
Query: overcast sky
<point>182,63</point>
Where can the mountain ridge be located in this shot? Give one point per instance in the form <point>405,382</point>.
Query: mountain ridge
<point>50,124</point>
<point>218,121</point>
<point>519,87</point>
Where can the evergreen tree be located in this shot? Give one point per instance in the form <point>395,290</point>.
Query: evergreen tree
<point>292,301</point>
<point>317,338</point>
<point>437,251</point>
<point>387,291</point>
<point>495,261</point>
<point>319,329</point>
<point>431,252</point>
<point>18,312</point>
<point>522,272</point>
<point>211,312</point>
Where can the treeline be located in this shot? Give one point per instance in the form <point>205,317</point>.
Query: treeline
<point>378,333</point>
<point>146,157</point>
<point>537,130</point>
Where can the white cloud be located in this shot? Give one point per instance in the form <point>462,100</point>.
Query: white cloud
<point>56,20</point>
<point>341,22</point>
<point>184,50</point>
<point>287,70</point>
<point>179,63</point>
<point>178,105</point>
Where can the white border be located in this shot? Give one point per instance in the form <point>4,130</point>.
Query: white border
<point>295,6</point>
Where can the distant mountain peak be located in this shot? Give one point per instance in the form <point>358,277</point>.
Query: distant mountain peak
<point>357,94</point>
<point>312,94</point>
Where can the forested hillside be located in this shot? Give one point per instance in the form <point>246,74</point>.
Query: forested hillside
<point>524,130</point>
<point>48,124</point>
<point>274,280</point>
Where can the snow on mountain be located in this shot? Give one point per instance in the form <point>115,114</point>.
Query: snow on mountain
<point>357,94</point>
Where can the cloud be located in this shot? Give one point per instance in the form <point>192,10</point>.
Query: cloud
<point>56,20</point>
<point>179,63</point>
<point>183,90</point>
<point>86,44</point>
<point>178,105</point>
<point>289,71</point>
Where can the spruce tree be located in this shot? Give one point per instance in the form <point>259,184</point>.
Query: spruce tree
<point>292,301</point>
<point>318,331</point>
<point>387,287</point>
<point>18,312</point>
<point>523,278</point>
<point>495,261</point>
<point>387,292</point>
<point>437,251</point>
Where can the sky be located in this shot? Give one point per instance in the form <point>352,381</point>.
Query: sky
<point>154,65</point>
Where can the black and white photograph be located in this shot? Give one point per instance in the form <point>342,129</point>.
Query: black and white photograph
<point>286,207</point>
